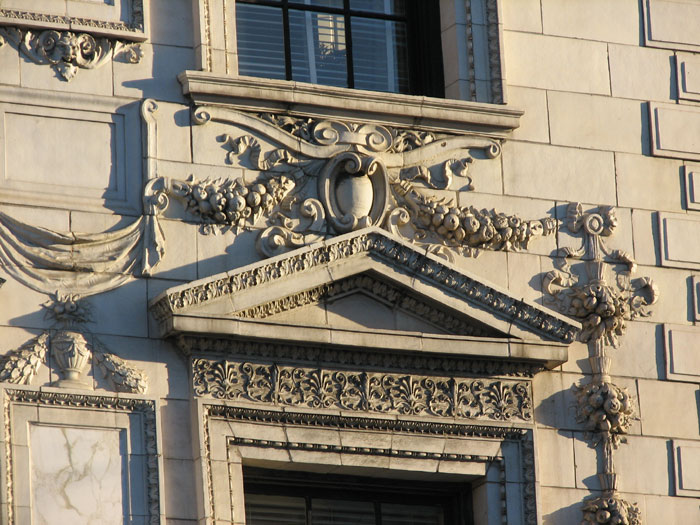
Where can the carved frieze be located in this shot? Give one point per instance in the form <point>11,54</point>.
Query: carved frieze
<point>386,393</point>
<point>366,175</point>
<point>66,51</point>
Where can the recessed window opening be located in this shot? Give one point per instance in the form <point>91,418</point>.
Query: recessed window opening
<point>378,45</point>
<point>277,497</point>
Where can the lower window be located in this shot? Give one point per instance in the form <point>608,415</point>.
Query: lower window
<point>276,497</point>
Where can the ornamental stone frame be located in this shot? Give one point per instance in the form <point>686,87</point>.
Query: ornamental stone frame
<point>451,400</point>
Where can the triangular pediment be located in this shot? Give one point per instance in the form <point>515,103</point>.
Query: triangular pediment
<point>365,281</point>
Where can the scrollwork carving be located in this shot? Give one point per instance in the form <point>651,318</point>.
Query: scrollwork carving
<point>68,52</point>
<point>350,390</point>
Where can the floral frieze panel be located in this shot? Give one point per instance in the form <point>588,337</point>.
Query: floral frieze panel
<point>405,394</point>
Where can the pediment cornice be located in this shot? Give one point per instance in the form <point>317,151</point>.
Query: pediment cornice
<point>368,250</point>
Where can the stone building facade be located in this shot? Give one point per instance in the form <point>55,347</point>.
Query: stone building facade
<point>236,299</point>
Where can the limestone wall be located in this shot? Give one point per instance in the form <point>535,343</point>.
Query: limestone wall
<point>611,119</point>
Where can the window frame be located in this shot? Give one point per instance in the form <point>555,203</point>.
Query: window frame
<point>424,48</point>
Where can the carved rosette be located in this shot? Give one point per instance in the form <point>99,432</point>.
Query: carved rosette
<point>67,52</point>
<point>403,394</point>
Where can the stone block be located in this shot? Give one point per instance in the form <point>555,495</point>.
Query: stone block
<point>648,183</point>
<point>524,15</point>
<point>452,12</point>
<point>601,123</point>
<point>556,63</point>
<point>96,81</point>
<point>173,133</point>
<point>454,50</point>
<point>525,276</point>
<point>613,21</point>
<point>643,477</point>
<point>171,23</point>
<point>674,304</point>
<point>645,227</point>
<point>675,230</point>
<point>675,131</point>
<point>490,265</point>
<point>560,506</point>
<point>682,353</point>
<point>669,409</point>
<point>534,124</point>
<point>155,76</point>
<point>554,401</point>
<point>642,73</point>
<point>671,24</point>
<point>688,75</point>
<point>174,423</point>
<point>180,260</point>
<point>665,509</point>
<point>180,490</point>
<point>641,351</point>
<point>555,458</point>
<point>122,311</point>
<point>9,65</point>
<point>686,458</point>
<point>556,173</point>
<point>695,292</point>
<point>691,183</point>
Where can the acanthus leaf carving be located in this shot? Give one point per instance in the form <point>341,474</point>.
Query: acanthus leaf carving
<point>354,390</point>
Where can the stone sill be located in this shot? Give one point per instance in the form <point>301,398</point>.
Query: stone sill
<point>270,95</point>
<point>548,355</point>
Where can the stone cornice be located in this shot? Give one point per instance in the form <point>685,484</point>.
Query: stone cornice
<point>270,95</point>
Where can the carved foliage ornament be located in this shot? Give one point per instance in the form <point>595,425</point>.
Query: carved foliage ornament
<point>603,304</point>
<point>605,409</point>
<point>610,509</point>
<point>375,392</point>
<point>68,52</point>
<point>367,175</point>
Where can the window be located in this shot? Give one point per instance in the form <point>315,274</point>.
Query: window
<point>378,45</point>
<point>275,497</point>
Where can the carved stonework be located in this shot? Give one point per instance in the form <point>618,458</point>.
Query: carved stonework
<point>385,360</point>
<point>144,407</point>
<point>610,509</point>
<point>603,303</point>
<point>123,377</point>
<point>21,365</point>
<point>383,291</point>
<point>366,175</point>
<point>134,25</point>
<point>68,52</point>
<point>72,354</point>
<point>374,392</point>
<point>387,249</point>
<point>606,411</point>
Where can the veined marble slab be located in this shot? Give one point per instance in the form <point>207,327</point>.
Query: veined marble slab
<point>76,475</point>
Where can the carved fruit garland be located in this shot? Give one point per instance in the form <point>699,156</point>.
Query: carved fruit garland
<point>604,305</point>
<point>367,175</point>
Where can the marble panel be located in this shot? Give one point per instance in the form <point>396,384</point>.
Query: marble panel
<point>675,131</point>
<point>682,353</point>
<point>77,475</point>
<point>676,251</point>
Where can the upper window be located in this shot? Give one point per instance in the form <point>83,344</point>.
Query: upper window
<point>378,45</point>
<point>274,497</point>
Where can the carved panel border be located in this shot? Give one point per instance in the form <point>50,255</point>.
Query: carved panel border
<point>145,408</point>
<point>386,393</point>
<point>522,437</point>
<point>133,26</point>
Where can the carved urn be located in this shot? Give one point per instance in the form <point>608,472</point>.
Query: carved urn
<point>72,355</point>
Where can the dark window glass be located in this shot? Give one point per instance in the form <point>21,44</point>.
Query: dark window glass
<point>301,498</point>
<point>376,45</point>
<point>260,57</point>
